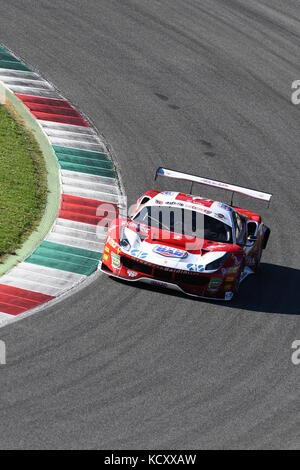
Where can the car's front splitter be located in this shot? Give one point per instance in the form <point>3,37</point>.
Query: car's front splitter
<point>168,285</point>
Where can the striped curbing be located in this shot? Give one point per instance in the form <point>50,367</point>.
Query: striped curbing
<point>72,250</point>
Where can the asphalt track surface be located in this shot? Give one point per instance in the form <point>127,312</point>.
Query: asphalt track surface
<point>203,87</point>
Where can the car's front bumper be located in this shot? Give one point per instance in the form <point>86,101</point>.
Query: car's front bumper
<point>208,287</point>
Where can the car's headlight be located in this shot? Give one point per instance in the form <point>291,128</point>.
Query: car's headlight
<point>124,242</point>
<point>214,265</point>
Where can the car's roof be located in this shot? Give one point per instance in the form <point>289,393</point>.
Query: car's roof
<point>217,210</point>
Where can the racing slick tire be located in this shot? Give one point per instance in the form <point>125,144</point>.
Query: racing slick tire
<point>258,260</point>
<point>238,282</point>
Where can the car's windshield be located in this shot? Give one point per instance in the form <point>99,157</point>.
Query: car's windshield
<point>185,222</point>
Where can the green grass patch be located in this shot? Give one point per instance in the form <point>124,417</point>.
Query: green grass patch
<point>23,183</point>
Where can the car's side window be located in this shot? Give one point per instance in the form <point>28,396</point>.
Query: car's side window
<point>239,228</point>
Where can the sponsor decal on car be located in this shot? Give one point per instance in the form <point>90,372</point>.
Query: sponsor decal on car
<point>112,243</point>
<point>168,193</point>
<point>225,207</point>
<point>139,254</point>
<point>233,270</point>
<point>105,257</point>
<point>214,284</point>
<point>174,203</point>
<point>202,201</point>
<point>199,268</point>
<point>170,252</point>
<point>228,295</point>
<point>131,273</point>
<point>115,260</point>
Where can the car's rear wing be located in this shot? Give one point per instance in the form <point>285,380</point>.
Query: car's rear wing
<point>217,184</point>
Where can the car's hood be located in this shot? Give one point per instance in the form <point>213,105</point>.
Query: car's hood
<point>172,253</point>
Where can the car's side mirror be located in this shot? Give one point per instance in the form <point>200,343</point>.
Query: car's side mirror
<point>252,228</point>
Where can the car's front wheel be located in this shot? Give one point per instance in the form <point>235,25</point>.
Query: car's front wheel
<point>258,260</point>
<point>238,280</point>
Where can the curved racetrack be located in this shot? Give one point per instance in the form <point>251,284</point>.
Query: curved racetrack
<point>202,86</point>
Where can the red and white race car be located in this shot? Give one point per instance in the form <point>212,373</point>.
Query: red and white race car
<point>198,246</point>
